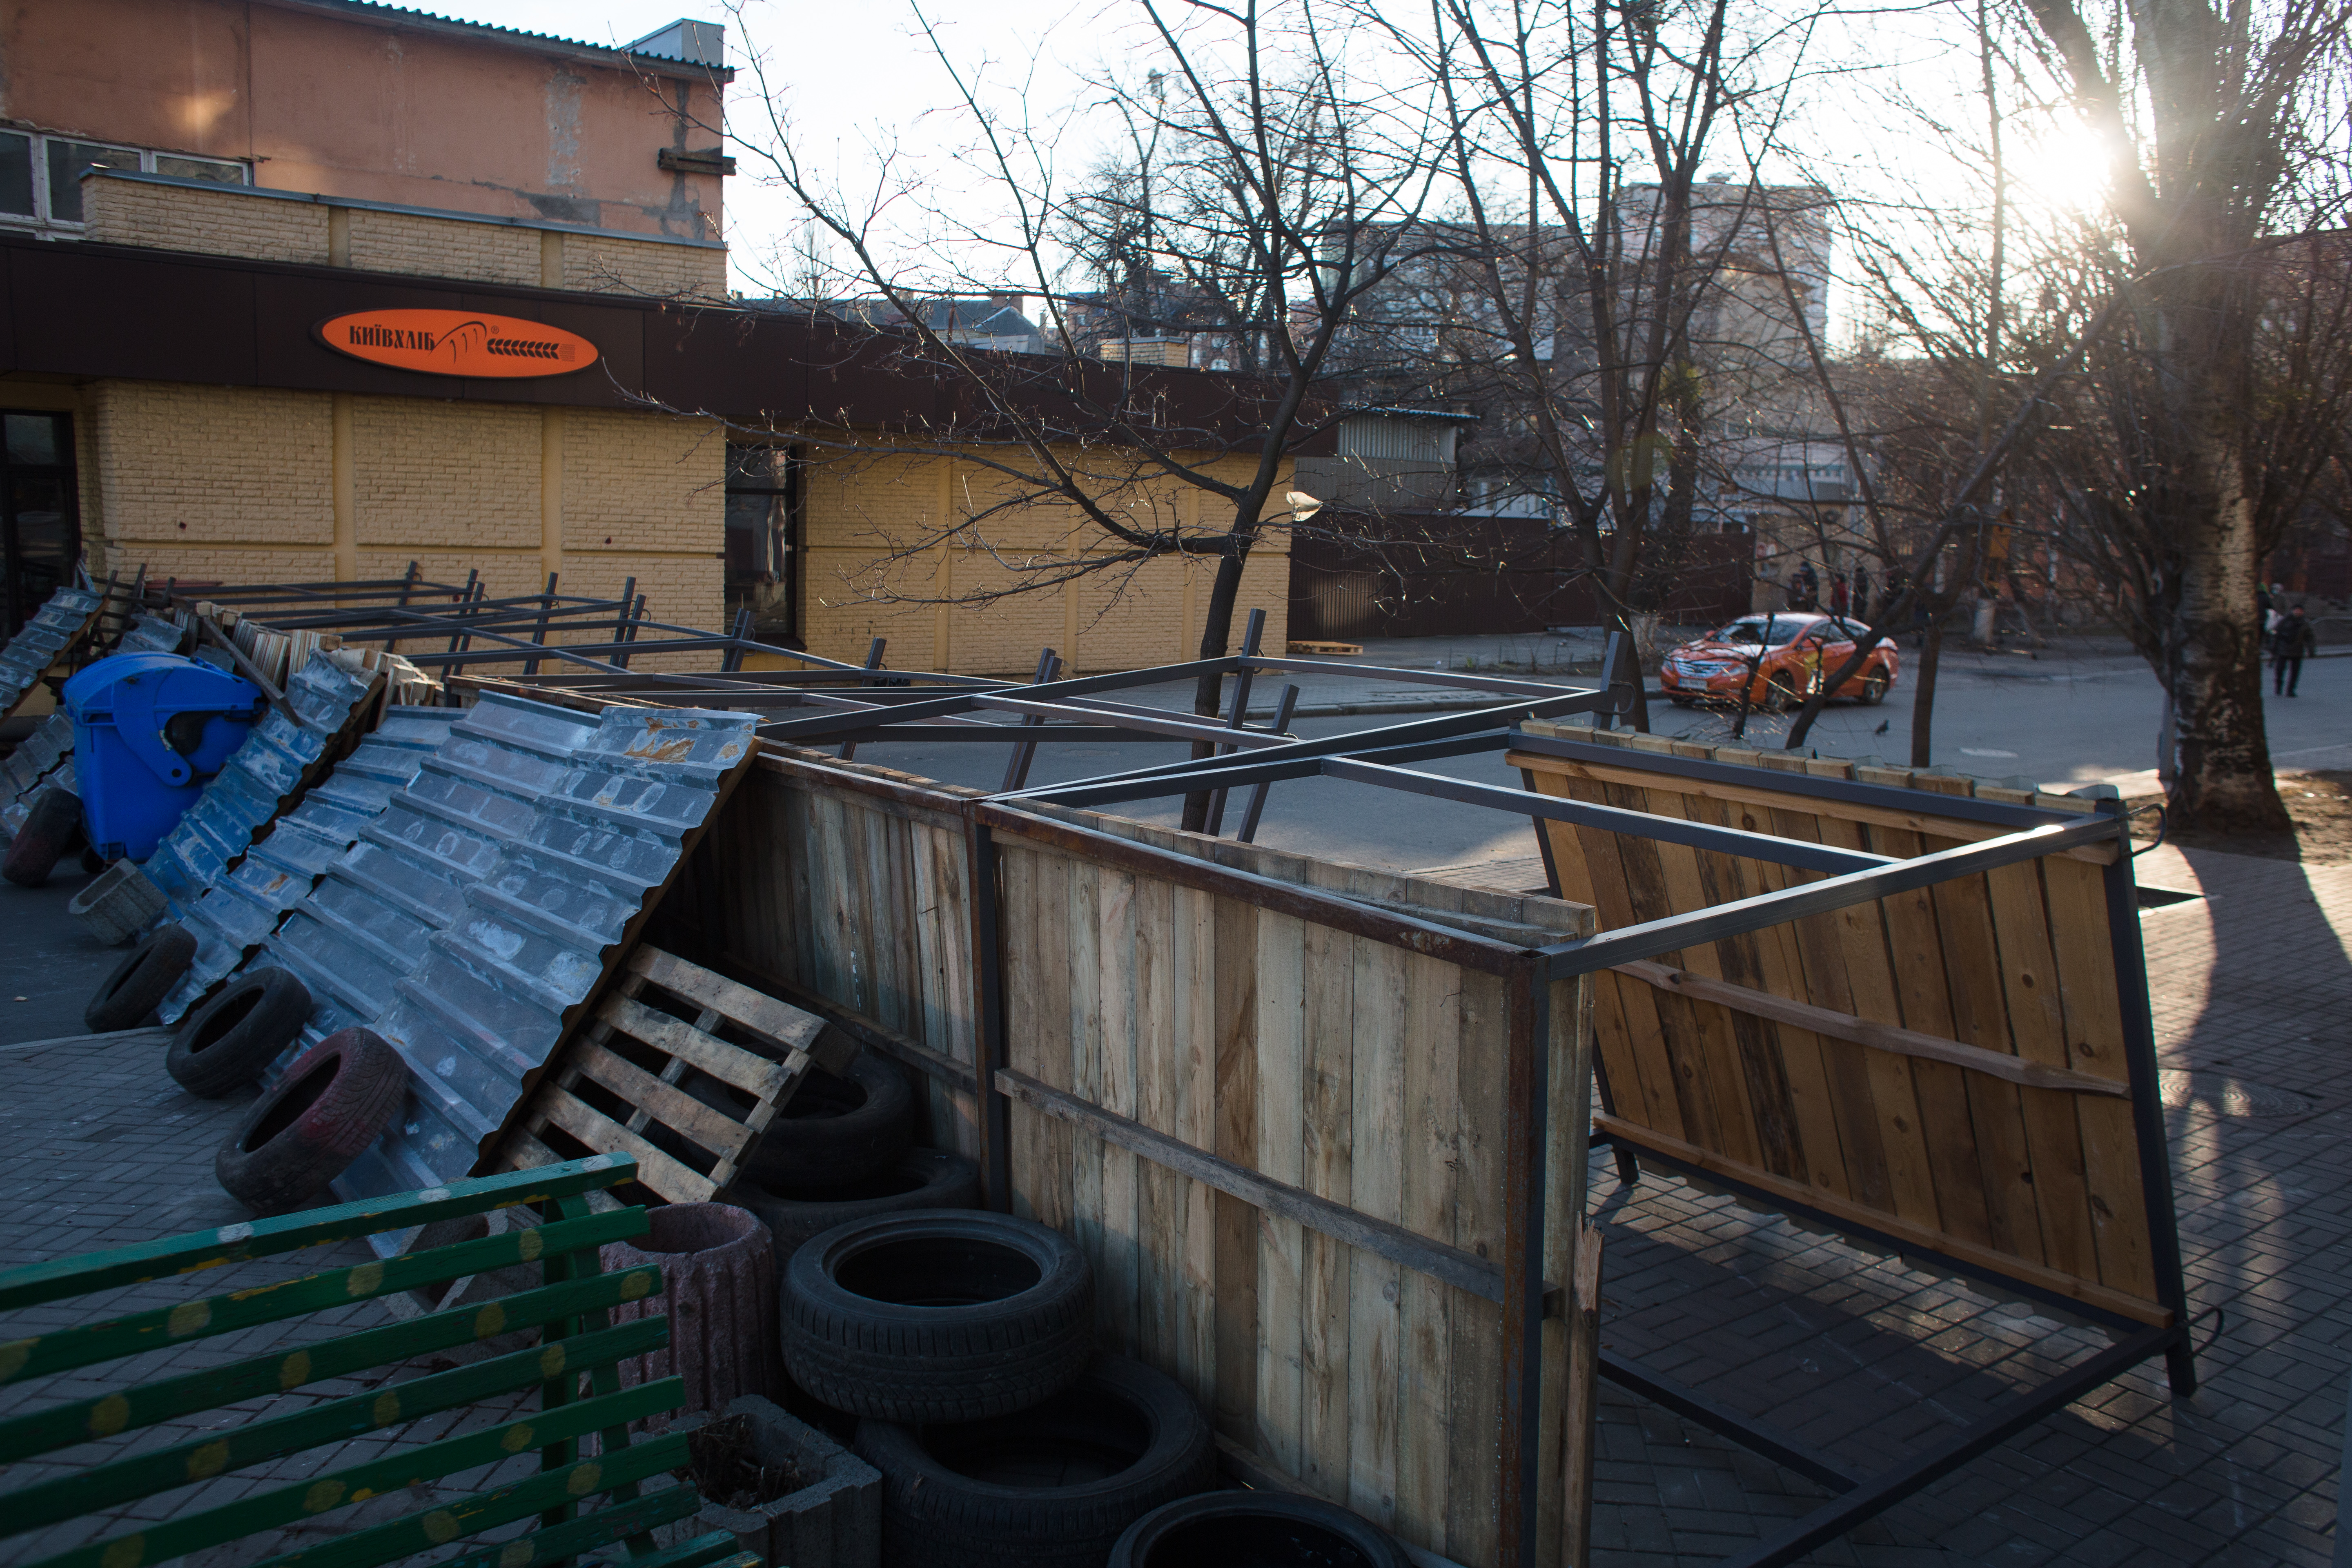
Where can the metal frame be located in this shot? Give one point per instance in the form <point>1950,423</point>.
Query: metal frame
<point>933,707</point>
<point>1850,878</point>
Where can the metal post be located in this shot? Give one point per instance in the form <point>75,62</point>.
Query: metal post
<point>408,580</point>
<point>465,602</point>
<point>1526,1140</point>
<point>1016,768</point>
<point>539,633</point>
<point>873,661</point>
<point>987,1038</point>
<point>621,623</point>
<point>2147,1097</point>
<point>1248,833</point>
<point>1252,630</point>
<point>733,658</point>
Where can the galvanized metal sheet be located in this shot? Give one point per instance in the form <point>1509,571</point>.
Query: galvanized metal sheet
<point>513,940</point>
<point>45,758</point>
<point>53,629</point>
<point>239,912</point>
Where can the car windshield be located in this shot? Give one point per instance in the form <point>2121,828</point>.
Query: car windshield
<point>1772,631</point>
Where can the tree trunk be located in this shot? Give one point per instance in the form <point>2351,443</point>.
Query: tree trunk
<point>1216,633</point>
<point>2226,783</point>
<point>1923,699</point>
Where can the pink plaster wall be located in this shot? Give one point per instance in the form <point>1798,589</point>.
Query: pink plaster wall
<point>375,107</point>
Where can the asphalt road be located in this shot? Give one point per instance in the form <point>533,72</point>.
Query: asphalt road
<point>2058,721</point>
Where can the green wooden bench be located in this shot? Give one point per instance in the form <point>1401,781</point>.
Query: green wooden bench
<point>576,1340</point>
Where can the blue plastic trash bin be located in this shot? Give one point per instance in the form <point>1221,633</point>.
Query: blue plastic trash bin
<point>149,730</point>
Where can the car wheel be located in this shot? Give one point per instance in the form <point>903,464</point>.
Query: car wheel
<point>1051,1487</point>
<point>1780,695</point>
<point>229,1040</point>
<point>335,1100</point>
<point>938,1315</point>
<point>1873,688</point>
<point>1254,1527</point>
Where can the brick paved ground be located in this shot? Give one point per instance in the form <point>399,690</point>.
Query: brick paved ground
<point>2254,991</point>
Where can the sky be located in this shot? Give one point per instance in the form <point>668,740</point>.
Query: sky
<point>858,79</point>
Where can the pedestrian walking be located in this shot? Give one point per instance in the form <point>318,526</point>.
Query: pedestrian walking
<point>1861,597</point>
<point>1837,592</point>
<point>2290,644</point>
<point>1804,586</point>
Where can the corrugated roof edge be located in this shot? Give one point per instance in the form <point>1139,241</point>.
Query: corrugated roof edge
<point>372,15</point>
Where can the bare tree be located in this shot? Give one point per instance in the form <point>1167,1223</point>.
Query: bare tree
<point>1263,177</point>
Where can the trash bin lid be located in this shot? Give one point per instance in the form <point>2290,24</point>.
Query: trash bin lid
<point>177,685</point>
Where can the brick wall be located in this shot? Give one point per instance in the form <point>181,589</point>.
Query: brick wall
<point>212,482</point>
<point>264,227</point>
<point>874,549</point>
<point>212,222</point>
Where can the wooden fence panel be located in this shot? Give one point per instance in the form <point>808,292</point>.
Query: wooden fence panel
<point>1966,1086</point>
<point>1351,1070</point>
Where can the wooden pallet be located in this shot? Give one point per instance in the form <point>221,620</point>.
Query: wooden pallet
<point>628,1072</point>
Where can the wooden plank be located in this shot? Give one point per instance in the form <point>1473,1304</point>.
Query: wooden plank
<point>1281,1245</point>
<point>1581,1404</point>
<point>1481,1068</point>
<point>1707,1068</point>
<point>1118,1281</point>
<point>1429,1167</point>
<point>730,1064</point>
<point>1376,1188</point>
<point>1196,1123</point>
<point>1082,1033</point>
<point>779,1023</point>
<point>681,1112</point>
<point>1159,1192</point>
<point>1992,1260</point>
<point>1918,974</point>
<point>2096,1044</point>
<point>2054,1139</point>
<point>1326,1161</point>
<point>659,1172</point>
<point>1235,1298</point>
<point>1862,1032</point>
<point>1923,820</point>
<point>1972,965</point>
<point>1850,965</point>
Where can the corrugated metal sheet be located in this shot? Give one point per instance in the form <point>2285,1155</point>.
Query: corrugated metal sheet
<point>526,939</point>
<point>240,911</point>
<point>153,634</point>
<point>45,758</point>
<point>35,648</point>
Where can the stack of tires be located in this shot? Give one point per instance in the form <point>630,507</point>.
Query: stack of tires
<point>959,1342</point>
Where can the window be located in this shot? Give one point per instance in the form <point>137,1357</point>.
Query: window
<point>41,176</point>
<point>41,525</point>
<point>764,492</point>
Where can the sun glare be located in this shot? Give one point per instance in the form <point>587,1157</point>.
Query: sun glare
<point>2063,170</point>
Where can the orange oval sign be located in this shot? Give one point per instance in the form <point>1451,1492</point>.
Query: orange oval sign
<point>457,343</point>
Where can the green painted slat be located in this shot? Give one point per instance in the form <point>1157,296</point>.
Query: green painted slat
<point>485,1510</point>
<point>250,1516</point>
<point>65,1425</point>
<point>163,1470</point>
<point>128,1335</point>
<point>716,1549</point>
<point>602,1528</point>
<point>63,1277</point>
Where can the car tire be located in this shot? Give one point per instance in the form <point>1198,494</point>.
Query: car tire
<point>50,830</point>
<point>1256,1528</point>
<point>1780,695</point>
<point>335,1100</point>
<point>227,1042</point>
<point>837,1132</point>
<point>922,1178</point>
<point>1054,1486</point>
<point>129,997</point>
<point>937,1315</point>
<point>1873,688</point>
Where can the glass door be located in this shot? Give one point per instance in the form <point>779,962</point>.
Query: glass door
<point>40,522</point>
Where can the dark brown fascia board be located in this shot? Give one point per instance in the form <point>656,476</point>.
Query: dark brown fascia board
<point>395,18</point>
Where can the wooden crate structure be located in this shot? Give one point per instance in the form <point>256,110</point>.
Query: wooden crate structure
<point>1951,1068</point>
<point>622,1084</point>
<point>1266,1094</point>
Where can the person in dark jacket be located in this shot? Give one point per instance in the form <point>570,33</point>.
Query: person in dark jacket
<point>2290,644</point>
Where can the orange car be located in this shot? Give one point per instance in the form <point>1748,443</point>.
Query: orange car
<point>1779,658</point>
